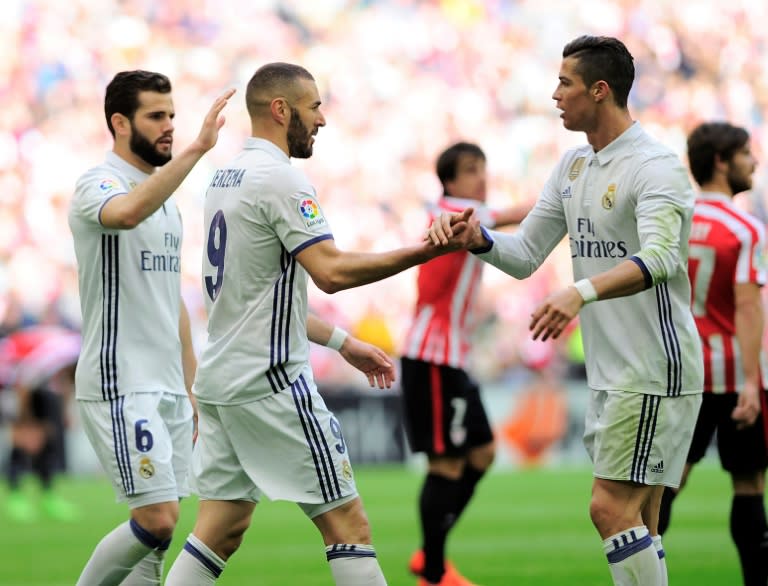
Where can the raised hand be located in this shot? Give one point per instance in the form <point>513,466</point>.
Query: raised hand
<point>209,133</point>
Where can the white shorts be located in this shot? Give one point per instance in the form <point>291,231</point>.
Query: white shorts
<point>640,438</point>
<point>287,446</point>
<point>144,443</point>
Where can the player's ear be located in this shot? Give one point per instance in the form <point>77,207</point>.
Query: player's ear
<point>599,90</point>
<point>280,110</point>
<point>121,123</point>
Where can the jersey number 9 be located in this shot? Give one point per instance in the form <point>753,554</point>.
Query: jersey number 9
<point>216,253</point>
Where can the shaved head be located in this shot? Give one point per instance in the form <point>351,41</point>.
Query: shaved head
<point>274,80</point>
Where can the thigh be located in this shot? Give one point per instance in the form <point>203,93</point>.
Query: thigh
<point>742,451</point>
<point>291,446</point>
<point>176,411</point>
<point>710,417</point>
<point>444,413</point>
<point>133,445</point>
<point>640,438</point>
<point>216,473</point>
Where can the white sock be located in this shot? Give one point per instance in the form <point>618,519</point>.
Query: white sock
<point>632,559</point>
<point>149,570</point>
<point>354,565</point>
<point>662,559</point>
<point>196,564</point>
<point>114,557</point>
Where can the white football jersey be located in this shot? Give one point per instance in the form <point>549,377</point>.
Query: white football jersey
<point>130,290</point>
<point>259,213</point>
<point>632,200</point>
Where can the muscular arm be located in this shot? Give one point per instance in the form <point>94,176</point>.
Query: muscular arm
<point>188,359</point>
<point>318,331</point>
<point>749,334</point>
<point>334,270</point>
<point>367,358</point>
<point>128,210</point>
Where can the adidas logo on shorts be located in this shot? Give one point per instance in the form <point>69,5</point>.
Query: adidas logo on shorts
<point>658,468</point>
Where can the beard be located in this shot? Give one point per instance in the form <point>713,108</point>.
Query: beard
<point>145,150</point>
<point>299,137</point>
<point>738,183</point>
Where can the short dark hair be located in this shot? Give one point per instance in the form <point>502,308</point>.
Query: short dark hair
<point>604,58</point>
<point>712,139</point>
<point>272,80</point>
<point>448,161</point>
<point>122,94</point>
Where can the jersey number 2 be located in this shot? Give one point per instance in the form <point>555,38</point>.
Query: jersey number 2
<point>216,253</point>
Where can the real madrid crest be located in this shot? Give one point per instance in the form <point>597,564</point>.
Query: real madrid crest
<point>146,469</point>
<point>609,197</point>
<point>346,470</point>
<point>576,168</point>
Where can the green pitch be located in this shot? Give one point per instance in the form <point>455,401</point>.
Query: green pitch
<point>526,528</point>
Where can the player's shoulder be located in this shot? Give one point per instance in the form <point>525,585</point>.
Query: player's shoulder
<point>645,147</point>
<point>574,153</point>
<point>277,177</point>
<point>708,204</point>
<point>572,162</point>
<point>104,178</point>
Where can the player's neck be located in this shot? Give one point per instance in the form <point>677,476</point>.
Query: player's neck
<point>716,186</point>
<point>133,159</point>
<point>612,124</point>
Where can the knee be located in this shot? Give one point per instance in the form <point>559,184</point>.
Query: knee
<point>355,528</point>
<point>346,524</point>
<point>233,538</point>
<point>158,521</point>
<point>602,516</point>
<point>482,457</point>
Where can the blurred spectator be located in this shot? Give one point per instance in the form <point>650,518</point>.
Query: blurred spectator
<point>462,68</point>
<point>37,365</point>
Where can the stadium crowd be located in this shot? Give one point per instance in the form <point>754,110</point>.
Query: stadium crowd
<point>399,80</point>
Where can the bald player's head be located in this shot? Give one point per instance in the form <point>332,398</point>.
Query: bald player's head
<point>274,80</point>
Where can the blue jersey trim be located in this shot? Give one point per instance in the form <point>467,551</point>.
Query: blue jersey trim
<point>101,207</point>
<point>646,273</point>
<point>310,242</point>
<point>483,249</point>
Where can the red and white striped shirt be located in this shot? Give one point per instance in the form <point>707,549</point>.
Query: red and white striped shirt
<point>726,248</point>
<point>448,292</point>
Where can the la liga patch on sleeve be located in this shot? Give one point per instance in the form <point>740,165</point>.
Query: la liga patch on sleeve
<point>109,185</point>
<point>310,212</point>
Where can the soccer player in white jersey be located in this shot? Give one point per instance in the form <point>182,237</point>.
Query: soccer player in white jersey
<point>625,203</point>
<point>444,414</point>
<point>727,269</point>
<point>263,427</point>
<point>137,362</point>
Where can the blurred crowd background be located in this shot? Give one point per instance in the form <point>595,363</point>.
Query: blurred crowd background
<point>400,80</point>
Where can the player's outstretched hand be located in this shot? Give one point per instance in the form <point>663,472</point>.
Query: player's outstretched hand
<point>209,133</point>
<point>372,361</point>
<point>445,225</point>
<point>747,406</point>
<point>553,314</point>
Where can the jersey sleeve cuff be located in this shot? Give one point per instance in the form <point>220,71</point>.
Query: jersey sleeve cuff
<point>483,249</point>
<point>646,273</point>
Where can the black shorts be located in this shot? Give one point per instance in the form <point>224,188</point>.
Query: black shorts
<point>444,415</point>
<point>742,451</point>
